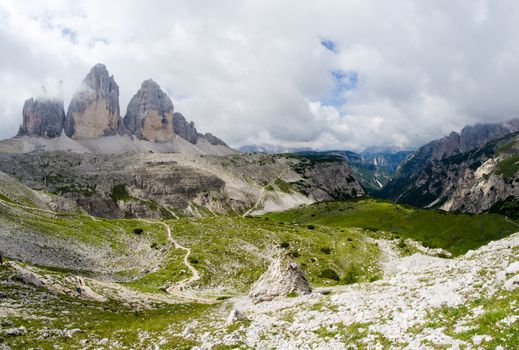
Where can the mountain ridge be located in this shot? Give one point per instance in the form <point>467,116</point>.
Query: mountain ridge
<point>93,117</point>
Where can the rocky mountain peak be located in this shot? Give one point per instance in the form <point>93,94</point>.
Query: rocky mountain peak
<point>184,129</point>
<point>42,117</point>
<point>284,276</point>
<point>94,110</point>
<point>213,140</point>
<point>149,115</point>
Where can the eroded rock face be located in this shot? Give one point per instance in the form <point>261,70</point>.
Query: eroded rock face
<point>150,114</point>
<point>213,140</point>
<point>408,184</point>
<point>42,117</point>
<point>94,110</point>
<point>284,276</point>
<point>182,128</point>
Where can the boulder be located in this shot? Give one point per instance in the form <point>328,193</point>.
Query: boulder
<point>149,115</point>
<point>42,117</point>
<point>283,277</point>
<point>94,109</point>
<point>234,316</point>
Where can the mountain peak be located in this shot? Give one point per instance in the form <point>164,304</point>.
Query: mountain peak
<point>149,115</point>
<point>94,110</point>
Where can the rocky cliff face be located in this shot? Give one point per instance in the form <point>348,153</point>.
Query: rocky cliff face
<point>182,128</point>
<point>472,181</point>
<point>159,185</point>
<point>94,109</point>
<point>150,114</point>
<point>403,188</point>
<point>373,170</point>
<point>42,117</point>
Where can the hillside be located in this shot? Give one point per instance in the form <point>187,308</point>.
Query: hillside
<point>373,170</point>
<point>473,182</point>
<point>170,185</point>
<point>410,183</point>
<point>173,283</point>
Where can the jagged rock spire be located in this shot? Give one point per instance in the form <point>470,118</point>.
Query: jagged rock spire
<point>42,117</point>
<point>94,109</point>
<point>150,114</point>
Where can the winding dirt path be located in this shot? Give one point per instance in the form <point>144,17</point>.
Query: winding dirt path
<point>510,221</point>
<point>178,288</point>
<point>6,203</point>
<point>262,194</point>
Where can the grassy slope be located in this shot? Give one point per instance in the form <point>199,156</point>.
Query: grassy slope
<point>232,252</point>
<point>456,233</point>
<point>45,313</point>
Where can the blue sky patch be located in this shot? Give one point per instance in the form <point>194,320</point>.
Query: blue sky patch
<point>344,81</point>
<point>329,45</point>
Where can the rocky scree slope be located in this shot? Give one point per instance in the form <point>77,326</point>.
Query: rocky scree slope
<point>169,185</point>
<point>407,186</point>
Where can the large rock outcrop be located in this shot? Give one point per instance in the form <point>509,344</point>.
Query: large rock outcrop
<point>94,110</point>
<point>42,117</point>
<point>213,140</point>
<point>283,277</point>
<point>184,129</point>
<point>150,114</point>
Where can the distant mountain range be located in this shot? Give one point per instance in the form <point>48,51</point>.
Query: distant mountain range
<point>471,171</point>
<point>372,170</point>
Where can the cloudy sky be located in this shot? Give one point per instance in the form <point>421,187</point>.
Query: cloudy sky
<point>323,74</point>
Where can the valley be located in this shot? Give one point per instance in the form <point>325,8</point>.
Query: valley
<point>139,232</point>
<point>172,283</point>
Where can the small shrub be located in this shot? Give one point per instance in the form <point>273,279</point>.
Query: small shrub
<point>351,275</point>
<point>326,250</point>
<point>329,274</point>
<point>374,278</point>
<point>138,231</point>
<point>295,254</point>
<point>154,245</point>
<point>193,260</point>
<point>284,245</point>
<point>401,244</point>
<point>119,192</point>
<point>293,295</point>
<point>310,227</point>
<point>350,239</point>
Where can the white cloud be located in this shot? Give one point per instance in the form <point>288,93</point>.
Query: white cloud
<point>256,71</point>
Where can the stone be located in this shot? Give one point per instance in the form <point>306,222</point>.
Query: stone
<point>513,268</point>
<point>16,331</point>
<point>283,277</point>
<point>42,117</point>
<point>149,115</point>
<point>94,109</point>
<point>234,316</point>
<point>182,128</point>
